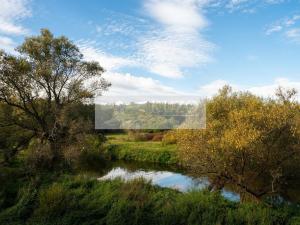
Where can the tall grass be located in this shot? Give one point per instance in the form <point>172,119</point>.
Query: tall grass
<point>153,152</point>
<point>83,201</point>
<point>121,148</point>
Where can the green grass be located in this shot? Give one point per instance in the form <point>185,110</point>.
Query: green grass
<point>121,148</point>
<point>83,201</point>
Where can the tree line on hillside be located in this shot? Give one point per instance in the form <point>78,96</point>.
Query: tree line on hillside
<point>150,116</point>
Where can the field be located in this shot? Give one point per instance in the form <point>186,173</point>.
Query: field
<point>121,148</point>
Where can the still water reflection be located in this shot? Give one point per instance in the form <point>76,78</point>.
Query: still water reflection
<point>173,177</point>
<point>163,178</point>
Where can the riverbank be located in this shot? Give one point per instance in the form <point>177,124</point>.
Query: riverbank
<point>119,147</point>
<point>62,197</point>
<point>72,200</point>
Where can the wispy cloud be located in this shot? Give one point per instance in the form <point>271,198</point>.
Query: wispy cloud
<point>7,44</point>
<point>292,20</point>
<point>130,85</point>
<point>273,29</point>
<point>108,61</point>
<point>289,27</point>
<point>267,90</point>
<point>244,6</point>
<point>126,84</point>
<point>177,42</point>
<point>166,39</point>
<point>293,34</point>
<point>249,6</point>
<point>11,12</point>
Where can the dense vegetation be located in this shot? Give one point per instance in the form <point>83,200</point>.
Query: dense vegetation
<point>80,200</point>
<point>46,137</point>
<point>250,142</point>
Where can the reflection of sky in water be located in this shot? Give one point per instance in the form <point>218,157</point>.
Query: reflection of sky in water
<point>166,179</point>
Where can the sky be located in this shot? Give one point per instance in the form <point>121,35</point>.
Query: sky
<point>176,47</point>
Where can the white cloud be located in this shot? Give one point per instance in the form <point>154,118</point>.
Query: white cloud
<point>7,44</point>
<point>239,4</point>
<point>182,14</point>
<point>176,43</point>
<point>273,29</point>
<point>269,90</point>
<point>249,6</point>
<point>168,53</point>
<point>266,91</point>
<point>211,89</point>
<point>274,1</point>
<point>11,12</point>
<point>287,26</point>
<point>293,20</point>
<point>107,61</point>
<point>129,85</point>
<point>293,34</point>
<point>236,3</point>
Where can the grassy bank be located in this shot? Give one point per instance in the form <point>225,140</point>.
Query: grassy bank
<point>120,147</point>
<point>82,201</point>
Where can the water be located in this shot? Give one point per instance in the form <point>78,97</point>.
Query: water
<point>162,178</point>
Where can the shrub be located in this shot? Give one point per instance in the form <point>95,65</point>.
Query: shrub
<point>22,210</point>
<point>88,151</point>
<point>40,156</point>
<point>54,202</point>
<point>170,138</point>
<point>157,137</point>
<point>246,139</point>
<point>139,136</point>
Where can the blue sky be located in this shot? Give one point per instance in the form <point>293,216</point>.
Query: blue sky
<point>172,46</point>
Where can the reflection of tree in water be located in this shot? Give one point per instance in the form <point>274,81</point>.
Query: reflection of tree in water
<point>254,189</point>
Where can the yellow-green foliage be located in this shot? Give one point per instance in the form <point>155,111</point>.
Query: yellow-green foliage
<point>170,138</point>
<point>249,141</point>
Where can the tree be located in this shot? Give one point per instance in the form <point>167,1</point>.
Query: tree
<point>250,142</point>
<point>41,85</point>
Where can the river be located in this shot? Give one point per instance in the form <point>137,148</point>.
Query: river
<point>161,175</point>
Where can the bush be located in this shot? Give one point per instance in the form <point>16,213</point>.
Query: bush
<point>157,137</point>
<point>170,138</point>
<point>22,210</point>
<point>40,156</point>
<point>88,151</point>
<point>246,139</point>
<point>140,136</point>
<point>54,202</point>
